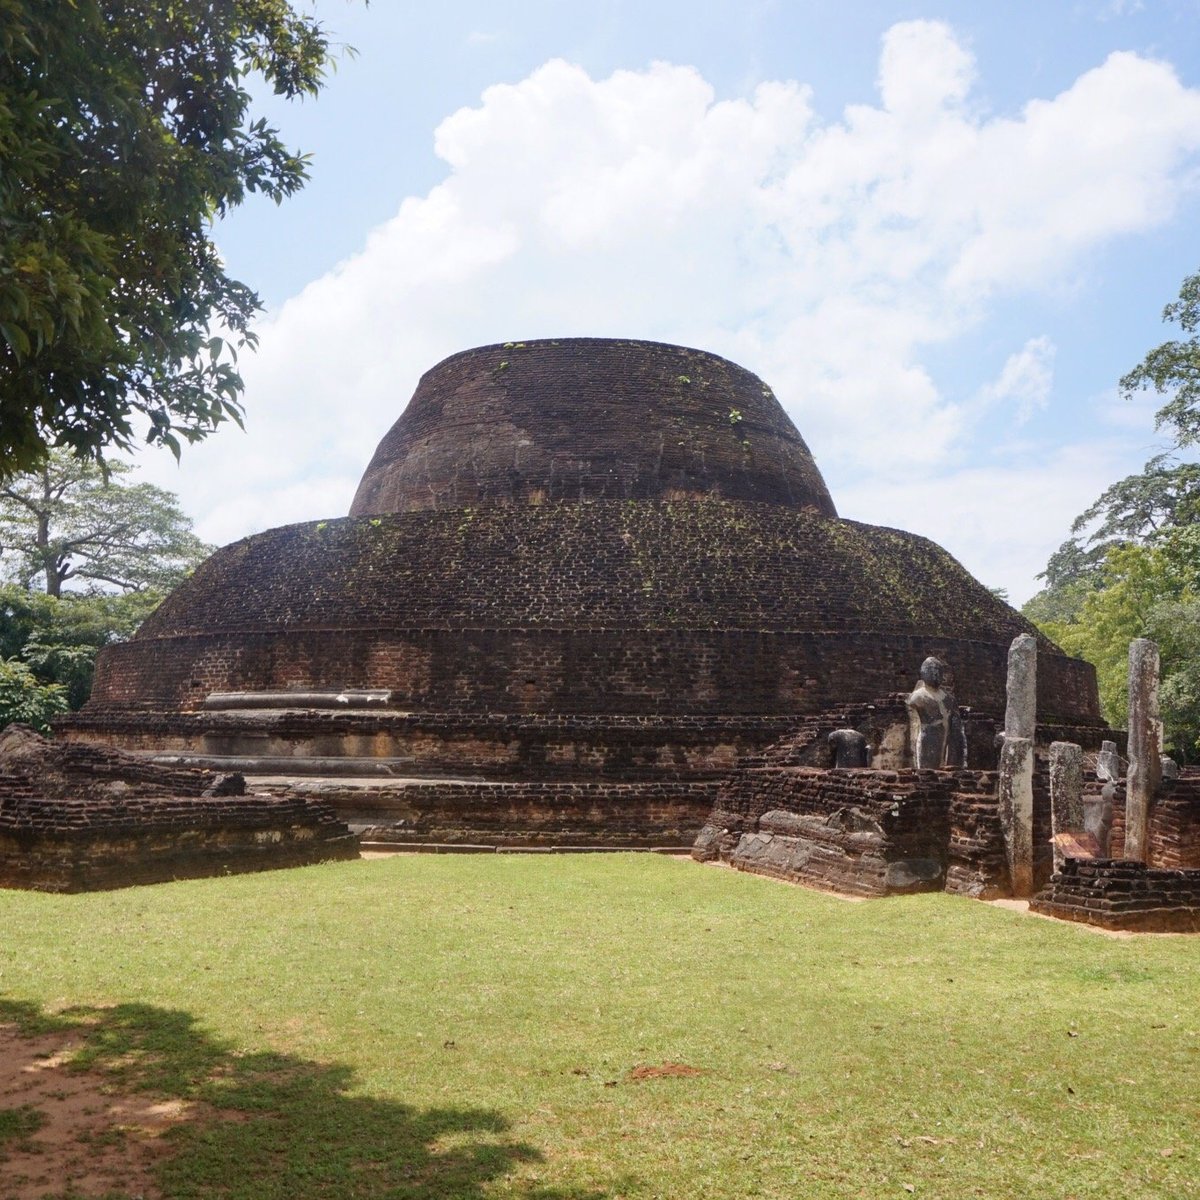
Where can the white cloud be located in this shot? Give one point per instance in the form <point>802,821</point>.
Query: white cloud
<point>1026,379</point>
<point>829,257</point>
<point>1002,521</point>
<point>1115,9</point>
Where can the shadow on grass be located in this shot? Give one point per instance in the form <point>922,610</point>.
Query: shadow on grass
<point>277,1126</point>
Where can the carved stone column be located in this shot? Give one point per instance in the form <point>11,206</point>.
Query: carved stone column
<point>1145,734</point>
<point>1016,763</point>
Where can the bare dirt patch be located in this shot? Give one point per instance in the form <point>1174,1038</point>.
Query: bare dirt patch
<point>667,1070</point>
<point>83,1137</point>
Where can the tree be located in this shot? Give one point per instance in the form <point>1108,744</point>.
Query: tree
<point>1164,496</point>
<point>1146,591</point>
<point>124,131</point>
<point>57,639</point>
<point>23,698</point>
<point>1173,369</point>
<point>1131,567</point>
<point>72,520</point>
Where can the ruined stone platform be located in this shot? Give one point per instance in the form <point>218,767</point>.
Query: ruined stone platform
<point>76,817</point>
<point>861,832</point>
<point>97,844</point>
<point>620,781</point>
<point>1123,895</point>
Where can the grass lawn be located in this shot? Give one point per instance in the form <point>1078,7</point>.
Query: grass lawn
<point>465,1027</point>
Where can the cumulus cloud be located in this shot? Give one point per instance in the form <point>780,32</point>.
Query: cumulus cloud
<point>830,256</point>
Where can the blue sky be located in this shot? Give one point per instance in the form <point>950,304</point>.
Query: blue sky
<point>940,231</point>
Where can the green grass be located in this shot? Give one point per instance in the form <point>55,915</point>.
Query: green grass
<point>462,1027</point>
<point>17,1123</point>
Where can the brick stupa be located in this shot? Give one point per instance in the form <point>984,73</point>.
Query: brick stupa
<point>580,578</point>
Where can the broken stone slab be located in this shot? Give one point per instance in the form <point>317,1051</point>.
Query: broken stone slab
<point>1074,844</point>
<point>1108,763</point>
<point>914,874</point>
<point>231,783</point>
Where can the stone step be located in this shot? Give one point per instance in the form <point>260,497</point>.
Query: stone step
<point>345,699</point>
<point>464,848</point>
<point>277,765</point>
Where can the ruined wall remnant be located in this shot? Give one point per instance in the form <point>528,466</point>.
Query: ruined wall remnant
<point>77,818</point>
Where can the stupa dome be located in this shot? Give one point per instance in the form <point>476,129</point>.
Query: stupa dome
<point>589,419</point>
<point>609,563</point>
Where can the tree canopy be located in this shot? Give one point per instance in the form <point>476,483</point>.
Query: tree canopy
<point>48,646</point>
<point>1131,567</point>
<point>1145,590</point>
<point>87,558</point>
<point>1163,496</point>
<point>73,520</point>
<point>1173,368</point>
<point>125,129</point>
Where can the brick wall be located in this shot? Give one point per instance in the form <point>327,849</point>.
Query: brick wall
<point>640,607</point>
<point>862,832</point>
<point>529,746</point>
<point>62,845</point>
<point>588,418</point>
<point>1174,824</point>
<point>521,813</point>
<point>1118,894</point>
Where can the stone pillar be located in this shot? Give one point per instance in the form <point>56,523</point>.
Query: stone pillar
<point>1016,763</point>
<point>1020,715</point>
<point>1145,733</point>
<point>1066,793</point>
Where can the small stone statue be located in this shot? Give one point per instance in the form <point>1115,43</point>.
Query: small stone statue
<point>934,722</point>
<point>1098,817</point>
<point>850,749</point>
<point>1108,763</point>
<point>1170,768</point>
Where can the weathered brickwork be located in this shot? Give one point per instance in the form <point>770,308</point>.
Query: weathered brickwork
<point>669,672</point>
<point>862,832</point>
<point>620,535</point>
<point>502,746</point>
<point>588,418</point>
<point>1120,894</point>
<point>785,812</point>
<point>614,815</point>
<point>1173,841</point>
<point>95,843</point>
<point>75,817</point>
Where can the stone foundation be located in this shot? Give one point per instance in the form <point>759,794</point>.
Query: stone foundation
<point>76,818</point>
<point>1121,894</point>
<point>861,832</point>
<point>95,845</point>
<point>530,814</point>
<point>491,745</point>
